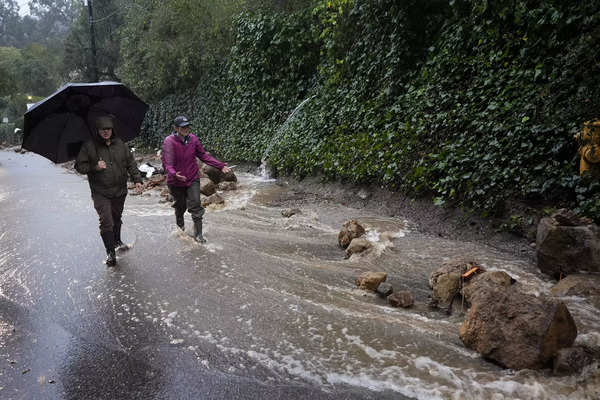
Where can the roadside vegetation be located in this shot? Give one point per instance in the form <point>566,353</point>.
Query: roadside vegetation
<point>471,102</point>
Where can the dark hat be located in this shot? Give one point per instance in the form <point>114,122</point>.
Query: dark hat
<point>104,122</point>
<point>181,121</point>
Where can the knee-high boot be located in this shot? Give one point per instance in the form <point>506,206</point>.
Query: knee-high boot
<point>198,231</point>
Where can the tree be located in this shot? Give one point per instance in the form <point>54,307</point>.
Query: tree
<point>10,60</point>
<point>10,24</point>
<point>38,70</point>
<point>107,21</point>
<point>53,20</point>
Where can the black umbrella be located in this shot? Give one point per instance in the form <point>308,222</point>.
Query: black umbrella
<point>57,126</point>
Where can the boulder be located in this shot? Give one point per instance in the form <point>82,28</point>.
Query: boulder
<point>572,360</point>
<point>446,281</point>
<point>458,266</point>
<point>404,299</point>
<point>485,279</point>
<point>216,175</point>
<point>445,289</point>
<point>207,187</point>
<point>583,285</point>
<point>564,248</point>
<point>350,230</point>
<point>516,330</point>
<point>213,199</point>
<point>358,245</point>
<point>384,289</point>
<point>370,280</point>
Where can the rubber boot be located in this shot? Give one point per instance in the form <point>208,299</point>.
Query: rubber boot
<point>119,245</point>
<point>109,243</point>
<point>198,232</point>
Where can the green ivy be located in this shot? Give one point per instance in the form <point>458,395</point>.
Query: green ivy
<point>471,101</point>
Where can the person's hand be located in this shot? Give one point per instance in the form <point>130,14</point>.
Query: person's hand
<point>226,170</point>
<point>180,177</point>
<point>139,188</point>
<point>101,165</point>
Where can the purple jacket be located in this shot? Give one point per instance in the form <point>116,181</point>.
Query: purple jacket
<point>178,156</point>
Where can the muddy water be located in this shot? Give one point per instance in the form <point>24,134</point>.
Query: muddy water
<point>269,297</point>
<point>324,329</point>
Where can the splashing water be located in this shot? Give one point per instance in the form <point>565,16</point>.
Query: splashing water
<point>264,168</point>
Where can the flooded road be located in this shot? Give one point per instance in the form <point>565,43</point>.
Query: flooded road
<point>267,309</point>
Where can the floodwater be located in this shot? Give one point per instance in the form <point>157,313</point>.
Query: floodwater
<point>267,309</point>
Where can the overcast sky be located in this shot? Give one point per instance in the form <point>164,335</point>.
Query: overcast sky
<point>23,7</point>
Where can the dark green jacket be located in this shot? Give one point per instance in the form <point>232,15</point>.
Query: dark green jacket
<point>112,181</point>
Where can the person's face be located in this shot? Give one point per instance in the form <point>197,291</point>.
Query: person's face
<point>105,133</point>
<point>183,130</point>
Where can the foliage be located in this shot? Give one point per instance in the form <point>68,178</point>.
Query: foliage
<point>77,63</point>
<point>471,101</point>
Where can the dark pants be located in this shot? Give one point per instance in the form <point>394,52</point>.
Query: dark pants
<point>109,211</point>
<point>187,198</point>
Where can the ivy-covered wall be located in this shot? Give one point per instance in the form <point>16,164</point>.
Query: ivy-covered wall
<point>473,101</point>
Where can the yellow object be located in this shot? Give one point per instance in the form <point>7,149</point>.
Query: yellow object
<point>589,149</point>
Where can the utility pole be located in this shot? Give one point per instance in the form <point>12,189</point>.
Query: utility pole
<point>94,65</point>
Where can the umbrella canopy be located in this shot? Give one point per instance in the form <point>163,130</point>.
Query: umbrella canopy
<point>57,126</point>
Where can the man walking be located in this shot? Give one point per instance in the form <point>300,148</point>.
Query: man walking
<point>107,161</point>
<point>179,152</point>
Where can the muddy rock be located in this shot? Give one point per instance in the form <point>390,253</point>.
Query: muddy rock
<point>404,299</point>
<point>565,245</point>
<point>457,266</point>
<point>370,280</point>
<point>485,279</point>
<point>446,287</point>
<point>207,187</point>
<point>446,281</point>
<point>358,245</point>
<point>216,175</point>
<point>384,289</point>
<point>578,285</point>
<point>516,330</point>
<point>350,230</point>
<point>213,199</point>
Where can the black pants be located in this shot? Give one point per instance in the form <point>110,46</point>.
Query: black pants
<point>109,211</point>
<point>187,198</point>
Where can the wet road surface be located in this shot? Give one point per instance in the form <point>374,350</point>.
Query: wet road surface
<point>266,310</point>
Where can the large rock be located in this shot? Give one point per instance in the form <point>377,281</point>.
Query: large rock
<point>216,175</point>
<point>350,230</point>
<point>458,265</point>
<point>358,245</point>
<point>516,330</point>
<point>207,187</point>
<point>565,248</point>
<point>578,285</point>
<point>446,281</point>
<point>370,280</point>
<point>485,279</point>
